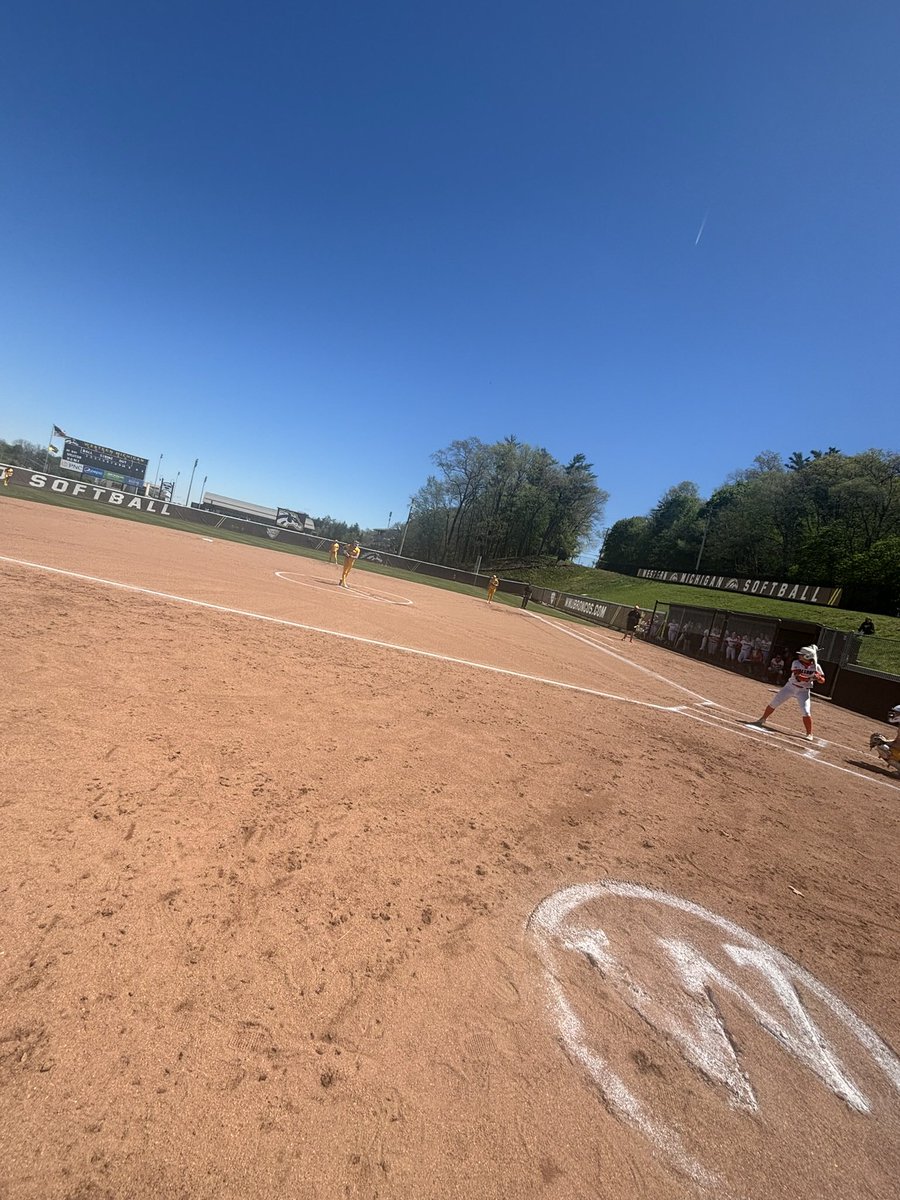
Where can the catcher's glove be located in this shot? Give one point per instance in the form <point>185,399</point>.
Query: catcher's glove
<point>877,739</point>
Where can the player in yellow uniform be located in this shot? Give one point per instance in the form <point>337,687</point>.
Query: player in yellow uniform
<point>7,476</point>
<point>888,751</point>
<point>493,584</point>
<point>351,554</point>
<point>335,546</point>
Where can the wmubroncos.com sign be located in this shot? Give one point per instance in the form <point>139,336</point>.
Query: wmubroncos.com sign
<point>805,593</point>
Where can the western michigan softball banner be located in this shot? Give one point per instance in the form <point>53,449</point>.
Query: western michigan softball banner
<point>804,593</point>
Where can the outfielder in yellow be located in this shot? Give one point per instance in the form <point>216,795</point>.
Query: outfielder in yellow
<point>335,546</point>
<point>7,476</point>
<point>351,554</point>
<point>493,584</point>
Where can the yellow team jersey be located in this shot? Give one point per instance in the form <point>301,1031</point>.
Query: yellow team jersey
<point>352,553</point>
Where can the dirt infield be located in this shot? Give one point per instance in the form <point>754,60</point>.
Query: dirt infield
<point>391,893</point>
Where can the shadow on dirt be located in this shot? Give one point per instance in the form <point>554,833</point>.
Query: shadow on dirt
<point>882,772</point>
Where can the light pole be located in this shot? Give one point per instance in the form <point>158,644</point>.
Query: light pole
<point>703,542</point>
<point>203,488</point>
<point>405,527</point>
<point>187,503</point>
<point>175,485</point>
<point>158,465</point>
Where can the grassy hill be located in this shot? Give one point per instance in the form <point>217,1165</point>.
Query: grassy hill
<point>881,652</point>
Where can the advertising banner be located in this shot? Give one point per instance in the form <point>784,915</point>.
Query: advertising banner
<point>804,593</point>
<point>287,518</point>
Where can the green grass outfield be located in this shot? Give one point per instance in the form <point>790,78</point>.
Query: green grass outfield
<point>882,653</point>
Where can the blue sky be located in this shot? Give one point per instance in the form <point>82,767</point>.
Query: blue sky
<point>313,243</point>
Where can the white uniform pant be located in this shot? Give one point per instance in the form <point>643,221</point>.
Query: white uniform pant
<point>790,691</point>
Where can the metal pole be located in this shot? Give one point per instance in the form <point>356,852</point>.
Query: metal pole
<point>187,503</point>
<point>203,488</point>
<point>405,527</point>
<point>175,485</point>
<point>158,465</point>
<point>703,543</point>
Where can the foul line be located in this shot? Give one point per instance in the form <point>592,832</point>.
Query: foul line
<point>717,720</point>
<point>621,658</point>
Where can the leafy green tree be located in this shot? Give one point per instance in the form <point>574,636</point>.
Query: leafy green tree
<point>340,531</point>
<point>23,454</point>
<point>627,545</point>
<point>676,528</point>
<point>503,501</point>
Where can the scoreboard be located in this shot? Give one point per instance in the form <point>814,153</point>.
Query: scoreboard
<point>114,467</point>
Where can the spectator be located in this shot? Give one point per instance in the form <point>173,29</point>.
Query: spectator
<point>867,627</point>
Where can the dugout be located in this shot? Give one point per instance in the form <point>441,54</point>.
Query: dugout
<point>745,643</point>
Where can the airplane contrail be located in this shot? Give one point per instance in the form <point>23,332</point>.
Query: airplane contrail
<point>702,227</point>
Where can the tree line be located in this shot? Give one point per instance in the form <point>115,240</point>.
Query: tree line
<point>822,518</point>
<point>502,501</point>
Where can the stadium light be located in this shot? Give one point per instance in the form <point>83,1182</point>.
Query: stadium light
<point>158,465</point>
<point>405,527</point>
<point>187,503</point>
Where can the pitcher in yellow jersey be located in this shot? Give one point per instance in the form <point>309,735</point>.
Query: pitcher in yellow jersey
<point>351,554</point>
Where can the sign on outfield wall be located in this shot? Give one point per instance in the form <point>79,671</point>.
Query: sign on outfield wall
<point>804,593</point>
<point>90,491</point>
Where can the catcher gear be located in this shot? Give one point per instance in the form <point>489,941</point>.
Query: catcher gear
<point>888,751</point>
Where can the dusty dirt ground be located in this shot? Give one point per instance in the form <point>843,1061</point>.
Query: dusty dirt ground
<point>285,913</point>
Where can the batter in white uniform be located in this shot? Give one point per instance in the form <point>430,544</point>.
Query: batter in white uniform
<point>804,673</point>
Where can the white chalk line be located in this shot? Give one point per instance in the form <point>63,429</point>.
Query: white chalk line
<point>710,706</point>
<point>702,1039</point>
<point>414,651</point>
<point>560,628</point>
<point>336,633</point>
<point>361,593</point>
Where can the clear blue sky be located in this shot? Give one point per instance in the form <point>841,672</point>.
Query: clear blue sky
<point>312,243</point>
